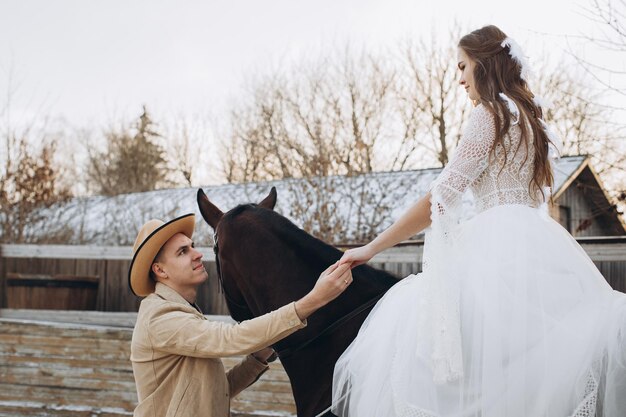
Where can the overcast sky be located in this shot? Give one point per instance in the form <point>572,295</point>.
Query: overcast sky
<point>92,61</point>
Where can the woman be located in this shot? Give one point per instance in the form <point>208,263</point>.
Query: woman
<point>509,317</point>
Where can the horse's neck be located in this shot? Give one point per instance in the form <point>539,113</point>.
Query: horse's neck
<point>310,258</point>
<point>310,369</point>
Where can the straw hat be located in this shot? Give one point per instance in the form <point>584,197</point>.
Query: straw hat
<point>150,239</point>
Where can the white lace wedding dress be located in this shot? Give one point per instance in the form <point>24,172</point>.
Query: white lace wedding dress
<point>509,317</point>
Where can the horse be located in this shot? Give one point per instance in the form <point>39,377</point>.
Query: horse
<point>264,261</point>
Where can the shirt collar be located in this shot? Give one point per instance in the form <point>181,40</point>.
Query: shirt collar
<point>170,294</point>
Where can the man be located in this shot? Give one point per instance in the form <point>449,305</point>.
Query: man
<point>176,351</point>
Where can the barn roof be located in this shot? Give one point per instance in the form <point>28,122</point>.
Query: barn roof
<point>378,197</point>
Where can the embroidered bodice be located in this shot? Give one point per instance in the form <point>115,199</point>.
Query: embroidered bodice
<point>492,181</point>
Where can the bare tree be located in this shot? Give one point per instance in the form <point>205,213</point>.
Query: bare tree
<point>317,120</point>
<point>610,19</point>
<point>31,180</point>
<point>333,117</point>
<point>189,149</point>
<point>432,105</point>
<point>30,185</point>
<point>609,148</point>
<point>38,187</point>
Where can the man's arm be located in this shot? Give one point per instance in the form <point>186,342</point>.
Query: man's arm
<point>175,331</point>
<point>244,374</point>
<point>178,332</point>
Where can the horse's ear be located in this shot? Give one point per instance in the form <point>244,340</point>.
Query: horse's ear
<point>269,202</point>
<point>212,215</point>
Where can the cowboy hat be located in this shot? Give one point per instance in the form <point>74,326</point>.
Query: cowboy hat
<point>150,239</point>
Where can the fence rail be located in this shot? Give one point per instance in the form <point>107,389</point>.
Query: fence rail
<point>110,265</point>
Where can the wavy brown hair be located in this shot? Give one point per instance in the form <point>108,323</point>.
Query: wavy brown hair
<point>496,72</point>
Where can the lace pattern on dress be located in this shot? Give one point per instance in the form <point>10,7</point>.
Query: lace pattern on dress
<point>400,406</point>
<point>587,408</point>
<point>405,410</point>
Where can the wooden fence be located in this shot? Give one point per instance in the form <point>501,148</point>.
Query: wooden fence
<point>109,265</point>
<point>76,364</point>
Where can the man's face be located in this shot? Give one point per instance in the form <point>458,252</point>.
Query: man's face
<point>181,263</point>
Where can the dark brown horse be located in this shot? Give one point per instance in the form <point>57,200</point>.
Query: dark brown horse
<point>265,262</point>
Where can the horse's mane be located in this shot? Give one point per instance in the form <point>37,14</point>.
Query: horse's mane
<point>289,232</point>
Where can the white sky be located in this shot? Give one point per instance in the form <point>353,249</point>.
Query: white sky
<point>93,61</point>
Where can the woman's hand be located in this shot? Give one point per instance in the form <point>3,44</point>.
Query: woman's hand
<point>357,256</point>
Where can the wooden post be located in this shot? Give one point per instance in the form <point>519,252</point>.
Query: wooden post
<point>3,289</point>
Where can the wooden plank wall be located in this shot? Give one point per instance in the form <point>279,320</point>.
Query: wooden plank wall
<point>61,369</point>
<point>113,291</point>
<point>55,292</point>
<point>614,272</point>
<point>609,254</point>
<point>399,269</point>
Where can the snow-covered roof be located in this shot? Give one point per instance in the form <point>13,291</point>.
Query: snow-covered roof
<point>359,205</point>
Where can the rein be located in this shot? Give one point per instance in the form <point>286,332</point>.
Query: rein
<point>288,351</point>
<point>219,276</point>
<point>285,353</point>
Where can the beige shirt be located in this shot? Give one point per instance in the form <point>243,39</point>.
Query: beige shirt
<point>175,355</point>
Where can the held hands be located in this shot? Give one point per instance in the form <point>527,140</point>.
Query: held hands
<point>330,284</point>
<point>357,256</point>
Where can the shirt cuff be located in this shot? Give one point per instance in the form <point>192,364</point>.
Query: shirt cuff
<point>255,366</point>
<point>255,359</point>
<point>290,316</point>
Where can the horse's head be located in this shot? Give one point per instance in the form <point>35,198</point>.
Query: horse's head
<point>264,260</point>
<point>227,271</point>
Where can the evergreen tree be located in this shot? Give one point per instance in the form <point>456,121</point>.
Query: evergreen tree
<point>133,161</point>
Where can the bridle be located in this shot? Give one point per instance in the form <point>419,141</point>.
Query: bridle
<point>288,351</point>
<point>219,276</point>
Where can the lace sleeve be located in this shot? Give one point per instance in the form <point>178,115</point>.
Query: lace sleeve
<point>469,160</point>
<point>441,288</point>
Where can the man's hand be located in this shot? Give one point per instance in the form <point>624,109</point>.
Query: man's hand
<point>265,355</point>
<point>330,284</point>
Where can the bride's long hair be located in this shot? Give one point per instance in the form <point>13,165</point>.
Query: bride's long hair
<point>496,72</point>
